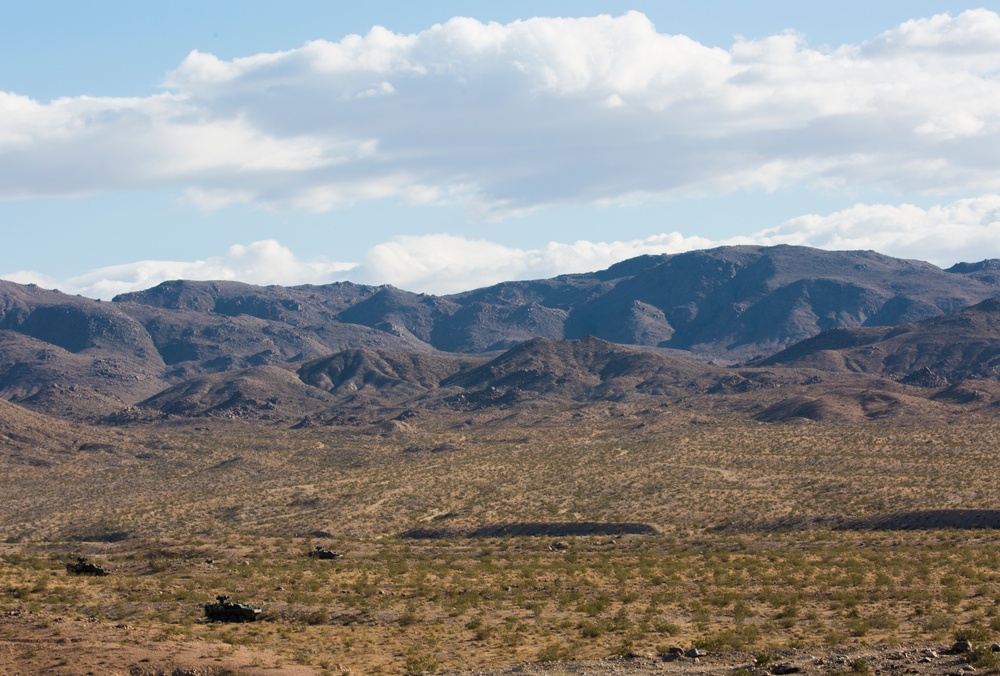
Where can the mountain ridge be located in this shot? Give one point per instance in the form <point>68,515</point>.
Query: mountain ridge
<point>86,359</point>
<point>729,301</point>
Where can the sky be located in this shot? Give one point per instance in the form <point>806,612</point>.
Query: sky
<point>447,147</point>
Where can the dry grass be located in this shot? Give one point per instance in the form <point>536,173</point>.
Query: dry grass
<point>760,545</point>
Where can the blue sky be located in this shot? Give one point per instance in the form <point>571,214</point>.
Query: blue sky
<point>250,140</point>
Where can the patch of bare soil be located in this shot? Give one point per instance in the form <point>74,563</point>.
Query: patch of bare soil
<point>43,643</point>
<point>927,660</point>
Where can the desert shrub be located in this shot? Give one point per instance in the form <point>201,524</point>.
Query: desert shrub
<point>860,666</point>
<point>462,601</point>
<point>938,621</point>
<point>314,617</point>
<point>420,664</point>
<point>625,648</point>
<point>409,616</point>
<point>594,606</point>
<point>741,612</point>
<point>668,628</point>
<point>729,639</point>
<point>483,633</point>
<point>833,638</point>
<point>975,633</point>
<point>554,652</point>
<point>982,657</point>
<point>621,621</point>
<point>592,629</point>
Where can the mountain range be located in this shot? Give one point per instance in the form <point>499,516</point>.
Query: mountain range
<point>643,327</point>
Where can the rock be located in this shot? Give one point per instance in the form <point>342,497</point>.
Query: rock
<point>924,377</point>
<point>785,669</point>
<point>673,653</point>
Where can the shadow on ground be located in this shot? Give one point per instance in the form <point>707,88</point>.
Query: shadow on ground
<point>535,529</point>
<point>927,519</point>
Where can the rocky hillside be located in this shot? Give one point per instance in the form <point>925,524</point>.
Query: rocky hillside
<point>32,439</point>
<point>81,358</point>
<point>730,302</point>
<point>373,386</point>
<point>930,353</point>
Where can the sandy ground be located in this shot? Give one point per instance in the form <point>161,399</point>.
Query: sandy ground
<point>32,644</point>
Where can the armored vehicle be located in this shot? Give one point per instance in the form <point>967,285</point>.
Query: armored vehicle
<point>84,567</point>
<point>226,610</point>
<point>324,553</point>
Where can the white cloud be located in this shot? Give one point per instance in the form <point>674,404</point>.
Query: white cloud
<point>508,118</point>
<point>264,262</point>
<point>444,263</point>
<point>964,230</point>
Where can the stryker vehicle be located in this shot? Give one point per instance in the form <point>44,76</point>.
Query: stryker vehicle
<point>227,610</point>
<point>324,553</point>
<point>84,567</point>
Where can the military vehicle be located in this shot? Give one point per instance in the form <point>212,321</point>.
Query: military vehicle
<point>226,610</point>
<point>84,567</point>
<point>324,553</point>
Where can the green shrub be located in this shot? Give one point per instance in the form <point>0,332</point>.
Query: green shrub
<point>554,652</point>
<point>973,634</point>
<point>595,606</point>
<point>982,657</point>
<point>668,628</point>
<point>860,666</point>
<point>420,664</point>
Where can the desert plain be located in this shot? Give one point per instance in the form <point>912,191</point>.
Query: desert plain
<point>486,540</point>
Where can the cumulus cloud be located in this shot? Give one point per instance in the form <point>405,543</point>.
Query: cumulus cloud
<point>508,118</point>
<point>443,263</point>
<point>264,262</point>
<point>964,230</point>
